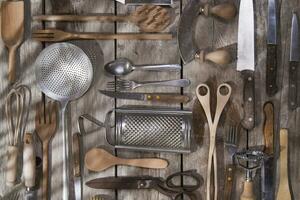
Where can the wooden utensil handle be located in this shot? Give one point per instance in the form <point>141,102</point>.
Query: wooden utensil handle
<point>168,98</point>
<point>226,11</point>
<point>29,164</point>
<point>76,154</point>
<point>248,193</point>
<point>12,64</point>
<point>45,170</point>
<point>220,57</point>
<point>11,167</point>
<point>229,175</point>
<point>269,128</point>
<point>122,36</point>
<point>152,163</point>
<point>80,18</point>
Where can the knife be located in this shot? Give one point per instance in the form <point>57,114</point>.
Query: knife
<point>76,169</point>
<point>246,59</point>
<point>268,167</point>
<point>294,61</point>
<point>271,71</point>
<point>154,97</point>
<point>141,2</point>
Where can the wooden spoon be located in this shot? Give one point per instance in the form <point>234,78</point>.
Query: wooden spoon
<point>12,31</point>
<point>149,18</point>
<point>98,159</point>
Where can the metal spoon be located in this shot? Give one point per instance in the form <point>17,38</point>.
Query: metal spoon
<point>123,66</point>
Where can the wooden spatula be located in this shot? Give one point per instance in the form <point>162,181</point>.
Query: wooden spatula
<point>12,31</point>
<point>98,159</point>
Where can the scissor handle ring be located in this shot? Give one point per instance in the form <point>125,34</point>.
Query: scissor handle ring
<point>185,188</point>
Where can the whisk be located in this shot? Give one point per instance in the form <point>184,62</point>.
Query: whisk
<point>17,109</point>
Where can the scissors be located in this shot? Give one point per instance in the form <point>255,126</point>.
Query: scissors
<point>203,95</point>
<point>164,186</point>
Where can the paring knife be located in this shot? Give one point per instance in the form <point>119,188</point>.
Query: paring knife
<point>76,169</point>
<point>268,168</point>
<point>271,71</point>
<point>154,97</point>
<point>294,61</point>
<point>246,60</point>
<point>141,2</point>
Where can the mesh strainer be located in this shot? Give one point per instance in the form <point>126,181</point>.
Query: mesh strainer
<point>64,73</point>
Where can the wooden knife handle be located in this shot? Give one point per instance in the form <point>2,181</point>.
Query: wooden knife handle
<point>271,71</point>
<point>249,100</point>
<point>11,166</point>
<point>168,98</point>
<point>293,71</point>
<point>229,178</point>
<point>29,159</point>
<point>226,11</point>
<point>76,154</point>
<point>283,189</point>
<point>269,128</point>
<point>220,57</point>
<point>248,193</point>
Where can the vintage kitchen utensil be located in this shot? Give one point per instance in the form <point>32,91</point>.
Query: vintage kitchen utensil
<point>186,28</point>
<point>101,197</point>
<point>55,35</point>
<point>98,160</point>
<point>271,70</point>
<point>231,142</point>
<point>166,130</point>
<point>64,73</point>
<point>149,18</point>
<point>249,160</point>
<point>12,32</point>
<point>203,95</point>
<point>123,66</point>
<point>294,62</point>
<point>17,106</point>
<point>164,186</point>
<point>29,161</point>
<point>246,60</point>
<point>141,2</point>
<point>151,97</point>
<point>45,127</point>
<point>284,191</point>
<point>268,169</point>
<point>76,150</point>
<point>122,84</point>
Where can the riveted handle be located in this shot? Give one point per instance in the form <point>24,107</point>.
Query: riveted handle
<point>226,11</point>
<point>168,98</point>
<point>271,74</point>
<point>220,57</point>
<point>293,71</point>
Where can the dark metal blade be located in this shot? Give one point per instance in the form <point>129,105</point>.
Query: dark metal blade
<point>294,49</point>
<point>272,22</point>
<point>123,95</point>
<point>268,180</point>
<point>186,28</point>
<point>114,183</point>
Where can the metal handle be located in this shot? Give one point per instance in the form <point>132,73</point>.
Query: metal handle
<point>158,67</point>
<point>173,83</point>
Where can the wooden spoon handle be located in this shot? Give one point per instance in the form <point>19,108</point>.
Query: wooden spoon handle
<point>29,164</point>
<point>45,170</point>
<point>226,11</point>
<point>12,64</point>
<point>248,193</point>
<point>11,166</point>
<point>269,128</point>
<point>220,57</point>
<point>152,163</point>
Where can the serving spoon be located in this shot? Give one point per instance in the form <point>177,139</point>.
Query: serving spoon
<point>123,66</point>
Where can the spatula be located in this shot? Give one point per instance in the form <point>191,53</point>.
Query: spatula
<point>98,159</point>
<point>12,31</point>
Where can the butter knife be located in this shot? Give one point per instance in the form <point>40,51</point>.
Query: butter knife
<point>141,2</point>
<point>76,168</point>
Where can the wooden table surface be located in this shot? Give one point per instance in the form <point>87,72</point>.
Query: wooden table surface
<point>209,33</point>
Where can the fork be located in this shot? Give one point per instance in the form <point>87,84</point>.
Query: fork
<point>45,126</point>
<point>56,35</point>
<point>121,84</point>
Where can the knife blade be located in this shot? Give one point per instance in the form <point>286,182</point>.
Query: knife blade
<point>76,164</point>
<point>153,97</point>
<point>293,64</point>
<point>271,70</point>
<point>246,59</point>
<point>268,167</point>
<point>141,2</point>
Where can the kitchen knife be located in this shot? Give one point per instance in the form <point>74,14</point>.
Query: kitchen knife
<point>76,164</point>
<point>154,97</point>
<point>294,61</point>
<point>268,167</point>
<point>246,59</point>
<point>141,2</point>
<point>271,71</point>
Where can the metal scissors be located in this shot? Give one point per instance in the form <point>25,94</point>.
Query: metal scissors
<point>203,95</point>
<point>165,186</point>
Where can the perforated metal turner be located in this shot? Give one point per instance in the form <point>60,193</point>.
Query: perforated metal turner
<point>64,73</point>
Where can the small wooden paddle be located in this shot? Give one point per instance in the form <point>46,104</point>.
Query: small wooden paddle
<point>98,159</point>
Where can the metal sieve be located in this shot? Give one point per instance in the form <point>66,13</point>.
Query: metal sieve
<point>64,73</point>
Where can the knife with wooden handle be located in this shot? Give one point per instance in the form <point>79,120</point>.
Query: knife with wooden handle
<point>283,189</point>
<point>76,166</point>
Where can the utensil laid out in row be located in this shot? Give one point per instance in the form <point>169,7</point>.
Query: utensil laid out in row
<point>101,197</point>
<point>98,160</point>
<point>149,18</point>
<point>12,32</point>
<point>76,151</point>
<point>123,66</point>
<point>55,35</point>
<point>122,84</point>
<point>141,2</point>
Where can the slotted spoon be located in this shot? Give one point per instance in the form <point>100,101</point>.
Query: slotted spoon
<point>64,73</point>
